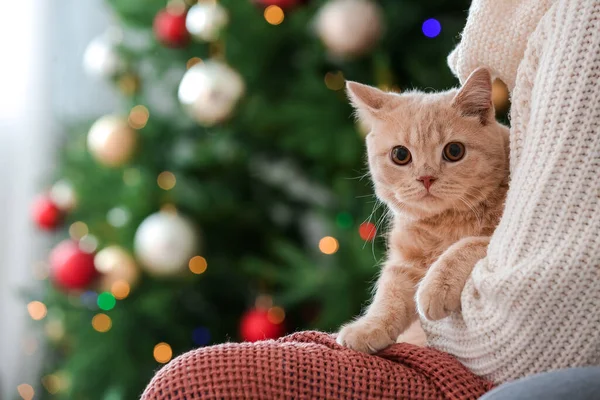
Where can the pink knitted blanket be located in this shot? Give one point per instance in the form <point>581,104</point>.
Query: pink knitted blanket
<point>311,365</point>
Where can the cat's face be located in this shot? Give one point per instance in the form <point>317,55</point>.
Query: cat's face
<point>433,152</point>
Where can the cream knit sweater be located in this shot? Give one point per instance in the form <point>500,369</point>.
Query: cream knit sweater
<point>533,304</point>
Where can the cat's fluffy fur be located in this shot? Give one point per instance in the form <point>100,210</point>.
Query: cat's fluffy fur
<point>437,236</point>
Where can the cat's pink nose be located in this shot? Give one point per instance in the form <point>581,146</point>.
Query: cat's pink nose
<point>427,181</point>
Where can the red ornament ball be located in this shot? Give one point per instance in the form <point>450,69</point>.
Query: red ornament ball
<point>70,267</point>
<point>284,4</point>
<point>367,231</point>
<point>256,326</point>
<point>170,29</point>
<point>45,213</point>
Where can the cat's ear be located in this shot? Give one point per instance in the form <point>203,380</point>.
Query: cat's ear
<point>474,99</point>
<point>370,103</point>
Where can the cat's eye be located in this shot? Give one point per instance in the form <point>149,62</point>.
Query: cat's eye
<point>454,151</point>
<point>401,155</point>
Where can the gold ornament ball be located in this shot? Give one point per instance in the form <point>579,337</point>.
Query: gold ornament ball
<point>350,28</point>
<point>116,264</point>
<point>111,141</point>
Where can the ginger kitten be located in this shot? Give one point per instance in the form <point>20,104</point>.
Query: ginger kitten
<point>440,163</point>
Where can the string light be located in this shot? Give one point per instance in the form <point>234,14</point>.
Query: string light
<point>275,315</point>
<point>37,310</point>
<point>193,61</point>
<point>163,353</point>
<point>101,323</point>
<point>263,302</point>
<point>198,265</point>
<point>431,28</point>
<point>274,15</point>
<point>329,245</point>
<point>120,289</point>
<point>138,117</point>
<point>166,180</point>
<point>335,80</point>
<point>78,229</point>
<point>25,391</point>
<point>106,301</point>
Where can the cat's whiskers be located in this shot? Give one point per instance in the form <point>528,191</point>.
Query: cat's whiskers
<point>472,207</point>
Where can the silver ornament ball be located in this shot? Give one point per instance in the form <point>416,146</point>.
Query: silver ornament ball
<point>209,91</point>
<point>165,242</point>
<point>206,20</point>
<point>350,28</point>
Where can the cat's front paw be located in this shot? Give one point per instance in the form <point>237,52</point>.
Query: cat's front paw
<point>366,334</point>
<point>437,296</point>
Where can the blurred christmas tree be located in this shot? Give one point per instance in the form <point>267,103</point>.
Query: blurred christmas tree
<point>223,200</point>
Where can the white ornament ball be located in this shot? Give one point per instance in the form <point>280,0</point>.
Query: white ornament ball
<point>210,91</point>
<point>63,195</point>
<point>115,264</point>
<point>350,28</point>
<point>112,141</point>
<point>206,20</point>
<point>101,58</point>
<point>165,242</point>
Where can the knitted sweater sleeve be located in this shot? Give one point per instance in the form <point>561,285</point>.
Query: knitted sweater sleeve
<point>533,304</point>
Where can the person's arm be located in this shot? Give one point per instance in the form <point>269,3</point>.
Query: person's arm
<point>533,304</point>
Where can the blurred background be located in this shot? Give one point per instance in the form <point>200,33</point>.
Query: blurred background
<point>179,173</point>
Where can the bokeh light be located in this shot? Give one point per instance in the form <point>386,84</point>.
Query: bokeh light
<point>132,177</point>
<point>118,217</point>
<point>55,329</point>
<point>344,220</point>
<point>335,80</point>
<point>138,117</point>
<point>25,391</point>
<point>106,301</point>
<point>274,15</point>
<point>129,84</point>
<point>89,299</point>
<point>101,323</point>
<point>120,289</point>
<point>88,243</point>
<point>163,353</point>
<point>367,231</point>
<point>37,310</point>
<point>198,265</point>
<point>329,245</point>
<point>431,28</point>
<point>263,302</point>
<point>193,61</point>
<point>78,229</point>
<point>51,383</point>
<point>276,315</point>
<point>166,180</point>
<point>201,336</point>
